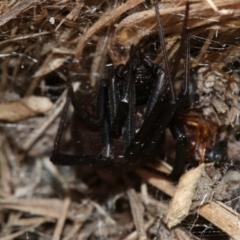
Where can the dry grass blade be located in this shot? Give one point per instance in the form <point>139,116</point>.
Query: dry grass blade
<point>19,233</point>
<point>5,172</point>
<point>72,16</point>
<point>134,235</point>
<point>134,27</point>
<point>15,10</point>
<point>73,231</point>
<point>137,212</point>
<point>46,207</point>
<point>25,37</point>
<point>103,212</point>
<point>182,235</point>
<point>108,18</point>
<point>161,182</point>
<point>61,219</point>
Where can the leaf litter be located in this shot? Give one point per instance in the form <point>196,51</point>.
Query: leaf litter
<point>38,39</point>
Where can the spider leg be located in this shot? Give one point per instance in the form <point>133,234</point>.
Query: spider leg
<point>106,140</point>
<point>61,127</point>
<point>81,111</point>
<point>163,121</point>
<point>182,156</point>
<point>85,160</point>
<point>168,107</point>
<point>121,116</point>
<point>113,95</point>
<point>123,106</point>
<point>159,86</point>
<point>101,160</point>
<point>129,129</point>
<point>65,159</point>
<point>163,104</point>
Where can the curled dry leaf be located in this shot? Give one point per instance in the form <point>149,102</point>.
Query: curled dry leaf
<point>24,108</point>
<point>182,199</point>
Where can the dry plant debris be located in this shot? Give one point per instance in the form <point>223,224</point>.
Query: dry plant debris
<point>38,40</point>
<point>24,108</point>
<point>182,199</point>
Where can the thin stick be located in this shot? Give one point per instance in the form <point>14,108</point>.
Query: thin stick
<point>62,219</point>
<point>183,41</point>
<point>187,59</point>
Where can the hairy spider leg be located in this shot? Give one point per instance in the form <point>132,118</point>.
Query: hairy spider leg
<point>163,103</point>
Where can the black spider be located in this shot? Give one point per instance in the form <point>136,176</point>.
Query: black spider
<point>135,105</point>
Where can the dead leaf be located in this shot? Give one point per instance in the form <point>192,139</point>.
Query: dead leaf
<point>182,199</point>
<point>24,108</point>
